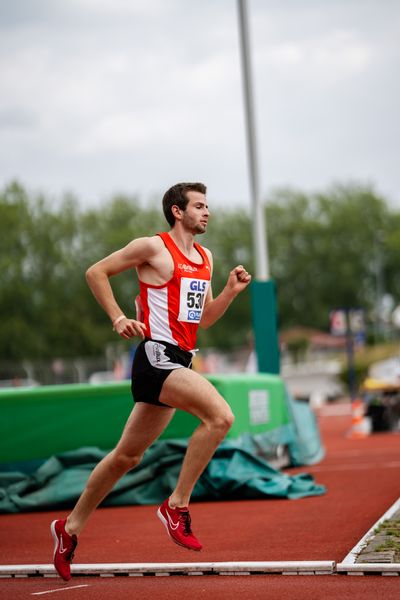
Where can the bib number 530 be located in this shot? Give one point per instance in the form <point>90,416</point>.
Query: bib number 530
<point>193,293</point>
<point>195,300</point>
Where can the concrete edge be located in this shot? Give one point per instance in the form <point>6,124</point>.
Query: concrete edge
<point>206,568</point>
<point>351,557</point>
<point>368,568</point>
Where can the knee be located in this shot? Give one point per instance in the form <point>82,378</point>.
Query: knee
<point>223,422</point>
<point>124,462</point>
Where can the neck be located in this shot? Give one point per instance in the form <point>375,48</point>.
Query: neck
<point>183,239</point>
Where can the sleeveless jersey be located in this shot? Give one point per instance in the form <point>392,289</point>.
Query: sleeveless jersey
<point>172,311</point>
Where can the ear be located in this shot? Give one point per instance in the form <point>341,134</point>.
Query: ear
<point>177,212</point>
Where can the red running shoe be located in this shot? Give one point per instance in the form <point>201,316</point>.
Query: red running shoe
<point>64,546</point>
<point>177,522</point>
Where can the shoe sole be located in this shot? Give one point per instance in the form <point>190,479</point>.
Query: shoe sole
<point>55,538</point>
<point>164,522</point>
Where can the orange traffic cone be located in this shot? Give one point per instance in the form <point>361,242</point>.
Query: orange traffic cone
<point>360,426</point>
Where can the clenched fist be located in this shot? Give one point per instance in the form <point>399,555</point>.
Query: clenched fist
<point>238,279</point>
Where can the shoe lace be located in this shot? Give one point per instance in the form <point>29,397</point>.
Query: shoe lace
<point>186,521</point>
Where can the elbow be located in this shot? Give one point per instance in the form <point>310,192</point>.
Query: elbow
<point>91,274</point>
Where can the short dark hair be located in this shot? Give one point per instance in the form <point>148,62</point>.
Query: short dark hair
<point>177,195</point>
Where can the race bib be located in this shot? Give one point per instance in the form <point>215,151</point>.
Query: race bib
<point>192,296</point>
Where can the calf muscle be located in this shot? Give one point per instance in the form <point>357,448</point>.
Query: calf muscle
<point>189,391</point>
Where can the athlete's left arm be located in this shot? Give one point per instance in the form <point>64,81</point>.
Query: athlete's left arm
<point>214,308</point>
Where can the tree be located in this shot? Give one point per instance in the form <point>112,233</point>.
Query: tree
<point>322,251</point>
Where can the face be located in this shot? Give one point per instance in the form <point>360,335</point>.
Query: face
<point>195,216</point>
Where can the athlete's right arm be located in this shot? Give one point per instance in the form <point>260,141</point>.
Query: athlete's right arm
<point>135,253</point>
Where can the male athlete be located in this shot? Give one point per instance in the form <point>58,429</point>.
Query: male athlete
<point>175,298</point>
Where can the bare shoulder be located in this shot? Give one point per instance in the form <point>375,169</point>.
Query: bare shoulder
<point>145,247</point>
<point>138,252</point>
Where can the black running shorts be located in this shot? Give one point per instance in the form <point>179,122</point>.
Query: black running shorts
<point>152,363</point>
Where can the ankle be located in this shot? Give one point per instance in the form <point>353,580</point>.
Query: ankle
<point>70,529</point>
<point>175,502</point>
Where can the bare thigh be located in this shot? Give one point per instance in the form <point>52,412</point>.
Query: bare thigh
<point>189,391</point>
<point>145,423</point>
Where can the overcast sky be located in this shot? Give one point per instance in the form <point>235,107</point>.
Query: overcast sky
<point>104,96</point>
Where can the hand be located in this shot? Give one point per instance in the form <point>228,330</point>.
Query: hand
<point>129,328</point>
<point>238,279</point>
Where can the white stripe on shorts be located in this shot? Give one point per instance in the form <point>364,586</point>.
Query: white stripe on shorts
<point>156,356</point>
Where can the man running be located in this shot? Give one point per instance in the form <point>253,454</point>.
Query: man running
<point>175,298</point>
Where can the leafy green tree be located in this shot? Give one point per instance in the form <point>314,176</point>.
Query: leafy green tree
<point>16,298</point>
<point>389,248</point>
<point>322,251</point>
<point>323,248</point>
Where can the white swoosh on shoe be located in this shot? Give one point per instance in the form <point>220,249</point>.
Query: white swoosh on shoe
<point>171,523</point>
<point>61,548</point>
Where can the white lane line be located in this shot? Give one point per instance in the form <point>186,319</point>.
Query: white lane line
<point>73,587</point>
<point>356,467</point>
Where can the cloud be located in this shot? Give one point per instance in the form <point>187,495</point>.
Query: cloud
<point>100,95</point>
<point>19,119</point>
<point>341,52</point>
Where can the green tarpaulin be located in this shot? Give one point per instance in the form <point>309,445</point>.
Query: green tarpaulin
<point>233,473</point>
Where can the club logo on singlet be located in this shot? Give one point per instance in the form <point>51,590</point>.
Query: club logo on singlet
<point>187,268</point>
<point>192,296</point>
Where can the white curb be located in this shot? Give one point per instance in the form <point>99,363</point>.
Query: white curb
<point>206,568</point>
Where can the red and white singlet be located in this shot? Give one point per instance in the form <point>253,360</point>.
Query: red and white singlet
<point>172,311</point>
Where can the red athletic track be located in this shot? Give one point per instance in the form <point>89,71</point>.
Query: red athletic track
<point>362,479</point>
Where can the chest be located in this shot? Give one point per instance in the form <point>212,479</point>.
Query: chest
<point>161,270</point>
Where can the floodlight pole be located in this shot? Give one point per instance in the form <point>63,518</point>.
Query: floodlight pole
<point>258,222</point>
<point>263,292</point>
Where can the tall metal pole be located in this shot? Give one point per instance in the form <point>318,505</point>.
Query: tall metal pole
<point>263,292</point>
<point>258,221</point>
